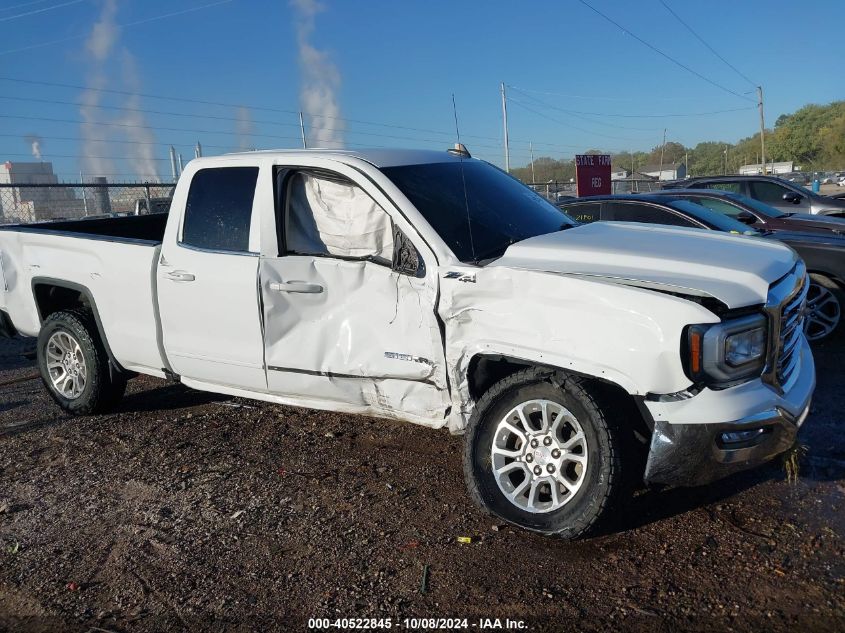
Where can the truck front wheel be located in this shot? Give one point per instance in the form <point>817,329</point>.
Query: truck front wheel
<point>540,453</point>
<point>74,365</point>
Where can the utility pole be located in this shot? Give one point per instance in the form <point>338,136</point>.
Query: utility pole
<point>531,147</point>
<point>505,123</point>
<point>726,161</point>
<point>762,129</point>
<point>662,149</point>
<point>686,163</point>
<point>302,130</point>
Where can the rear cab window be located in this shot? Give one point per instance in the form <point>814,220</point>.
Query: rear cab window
<point>218,211</point>
<point>733,187</point>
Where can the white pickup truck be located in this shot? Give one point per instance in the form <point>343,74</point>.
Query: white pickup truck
<point>431,287</point>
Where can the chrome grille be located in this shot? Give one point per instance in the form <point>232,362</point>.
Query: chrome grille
<point>785,307</point>
<point>791,331</point>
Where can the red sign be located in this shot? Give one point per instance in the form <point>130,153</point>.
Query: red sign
<point>592,174</point>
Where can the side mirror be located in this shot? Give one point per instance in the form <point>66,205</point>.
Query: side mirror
<point>791,196</point>
<point>406,257</point>
<point>746,218</point>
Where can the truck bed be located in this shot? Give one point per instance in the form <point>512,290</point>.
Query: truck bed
<point>110,262</point>
<point>131,228</point>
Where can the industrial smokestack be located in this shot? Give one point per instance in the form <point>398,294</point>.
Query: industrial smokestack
<point>198,150</point>
<point>173,171</point>
<point>102,202</point>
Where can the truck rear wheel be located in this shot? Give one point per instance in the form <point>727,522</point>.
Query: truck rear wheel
<point>74,365</point>
<point>540,453</point>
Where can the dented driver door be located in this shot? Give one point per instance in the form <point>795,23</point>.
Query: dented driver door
<point>341,326</point>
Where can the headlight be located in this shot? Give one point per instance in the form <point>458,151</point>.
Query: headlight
<point>745,347</point>
<point>727,353</point>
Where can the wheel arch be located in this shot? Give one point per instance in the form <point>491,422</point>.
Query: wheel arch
<point>486,369</point>
<point>54,295</point>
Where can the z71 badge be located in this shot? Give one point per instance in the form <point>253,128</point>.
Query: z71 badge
<point>465,277</point>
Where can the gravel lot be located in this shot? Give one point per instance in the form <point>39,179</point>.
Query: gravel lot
<point>189,511</point>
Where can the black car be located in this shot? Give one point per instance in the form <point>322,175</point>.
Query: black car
<point>824,253</point>
<point>776,192</point>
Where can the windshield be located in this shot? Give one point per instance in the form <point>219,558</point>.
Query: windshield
<point>497,208</point>
<point>760,207</point>
<point>712,218</point>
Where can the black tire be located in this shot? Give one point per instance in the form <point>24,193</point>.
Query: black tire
<point>605,487</point>
<point>822,283</point>
<point>100,393</point>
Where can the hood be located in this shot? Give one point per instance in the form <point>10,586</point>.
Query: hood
<point>733,269</point>
<point>790,236</point>
<point>809,222</point>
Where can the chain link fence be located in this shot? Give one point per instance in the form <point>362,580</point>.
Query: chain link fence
<point>556,191</point>
<point>29,203</point>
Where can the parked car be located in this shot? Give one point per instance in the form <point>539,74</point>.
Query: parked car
<point>822,252</point>
<point>434,288</point>
<point>757,214</point>
<point>776,192</point>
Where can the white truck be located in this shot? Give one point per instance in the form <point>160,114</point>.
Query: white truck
<point>427,286</point>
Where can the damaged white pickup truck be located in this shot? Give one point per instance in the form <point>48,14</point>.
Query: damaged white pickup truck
<point>432,287</point>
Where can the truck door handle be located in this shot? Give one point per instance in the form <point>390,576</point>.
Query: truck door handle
<point>180,275</point>
<point>295,286</point>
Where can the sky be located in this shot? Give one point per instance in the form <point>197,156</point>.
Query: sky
<point>382,73</point>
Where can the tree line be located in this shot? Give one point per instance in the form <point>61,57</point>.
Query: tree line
<point>813,138</point>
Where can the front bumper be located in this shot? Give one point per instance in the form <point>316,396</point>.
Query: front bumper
<point>716,433</point>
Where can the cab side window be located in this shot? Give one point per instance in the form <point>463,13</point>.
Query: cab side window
<point>329,216</point>
<point>219,209</point>
<point>635,212</point>
<point>768,192</point>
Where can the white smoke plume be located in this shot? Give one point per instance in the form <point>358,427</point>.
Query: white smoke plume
<point>97,139</point>
<point>320,81</point>
<point>141,155</point>
<point>35,143</point>
<point>244,128</point>
<point>98,46</point>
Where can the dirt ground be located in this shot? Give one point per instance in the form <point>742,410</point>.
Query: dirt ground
<point>189,511</point>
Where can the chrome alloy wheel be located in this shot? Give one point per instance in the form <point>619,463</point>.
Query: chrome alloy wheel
<point>822,314</point>
<point>66,365</point>
<point>539,456</point>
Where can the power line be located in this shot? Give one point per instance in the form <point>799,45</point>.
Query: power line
<point>138,126</point>
<point>581,115</point>
<point>662,54</point>
<point>604,98</point>
<point>257,108</point>
<point>632,116</point>
<point>42,10</point>
<point>124,25</point>
<point>559,122</point>
<point>23,4</point>
<point>710,48</point>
